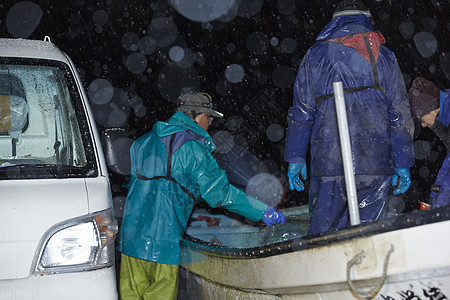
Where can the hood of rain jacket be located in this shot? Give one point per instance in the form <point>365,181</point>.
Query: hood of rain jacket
<point>378,113</point>
<point>172,168</point>
<point>444,113</point>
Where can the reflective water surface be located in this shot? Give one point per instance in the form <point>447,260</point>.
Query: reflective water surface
<point>220,229</point>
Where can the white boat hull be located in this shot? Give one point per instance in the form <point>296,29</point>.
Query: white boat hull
<point>395,264</point>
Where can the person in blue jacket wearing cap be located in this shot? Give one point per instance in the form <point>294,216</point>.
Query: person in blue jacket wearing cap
<point>349,50</point>
<point>172,169</point>
<point>432,107</point>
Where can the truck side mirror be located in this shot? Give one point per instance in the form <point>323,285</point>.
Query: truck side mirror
<point>116,146</point>
<point>13,118</point>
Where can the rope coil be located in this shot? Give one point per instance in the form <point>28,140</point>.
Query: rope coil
<point>372,292</point>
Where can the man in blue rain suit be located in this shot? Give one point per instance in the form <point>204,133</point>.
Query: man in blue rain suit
<point>380,124</point>
<point>432,107</point>
<point>172,169</point>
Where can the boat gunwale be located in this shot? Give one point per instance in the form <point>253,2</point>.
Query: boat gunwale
<point>398,222</point>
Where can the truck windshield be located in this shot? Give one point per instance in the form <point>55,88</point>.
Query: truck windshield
<point>43,128</point>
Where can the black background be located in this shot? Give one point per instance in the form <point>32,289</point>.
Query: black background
<point>100,54</point>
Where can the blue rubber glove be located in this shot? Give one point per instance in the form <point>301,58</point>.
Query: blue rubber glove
<point>296,169</point>
<point>405,180</point>
<point>273,217</point>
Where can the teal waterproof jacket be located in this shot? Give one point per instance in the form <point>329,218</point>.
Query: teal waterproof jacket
<point>172,169</point>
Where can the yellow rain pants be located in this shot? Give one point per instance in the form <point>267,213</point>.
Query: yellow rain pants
<point>145,280</point>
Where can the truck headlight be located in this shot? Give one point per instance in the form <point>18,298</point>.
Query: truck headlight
<point>81,244</point>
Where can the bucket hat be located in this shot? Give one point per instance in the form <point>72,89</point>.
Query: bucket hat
<point>198,102</point>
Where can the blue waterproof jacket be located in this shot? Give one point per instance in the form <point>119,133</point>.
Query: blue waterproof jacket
<point>378,112</point>
<point>172,168</point>
<point>441,197</point>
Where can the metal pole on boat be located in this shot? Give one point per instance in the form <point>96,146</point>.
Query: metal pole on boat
<point>346,150</point>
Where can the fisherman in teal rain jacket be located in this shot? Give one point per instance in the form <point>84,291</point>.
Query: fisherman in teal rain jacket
<point>349,50</point>
<point>172,169</point>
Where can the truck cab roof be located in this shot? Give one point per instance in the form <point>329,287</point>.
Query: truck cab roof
<point>24,48</point>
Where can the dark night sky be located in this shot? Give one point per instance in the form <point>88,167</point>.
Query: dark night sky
<point>265,39</point>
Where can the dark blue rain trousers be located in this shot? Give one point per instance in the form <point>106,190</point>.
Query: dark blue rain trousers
<point>441,197</point>
<point>380,124</point>
<point>329,201</point>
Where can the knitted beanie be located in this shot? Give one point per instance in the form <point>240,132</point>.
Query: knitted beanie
<point>424,97</point>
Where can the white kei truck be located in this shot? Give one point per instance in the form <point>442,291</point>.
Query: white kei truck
<point>57,227</point>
